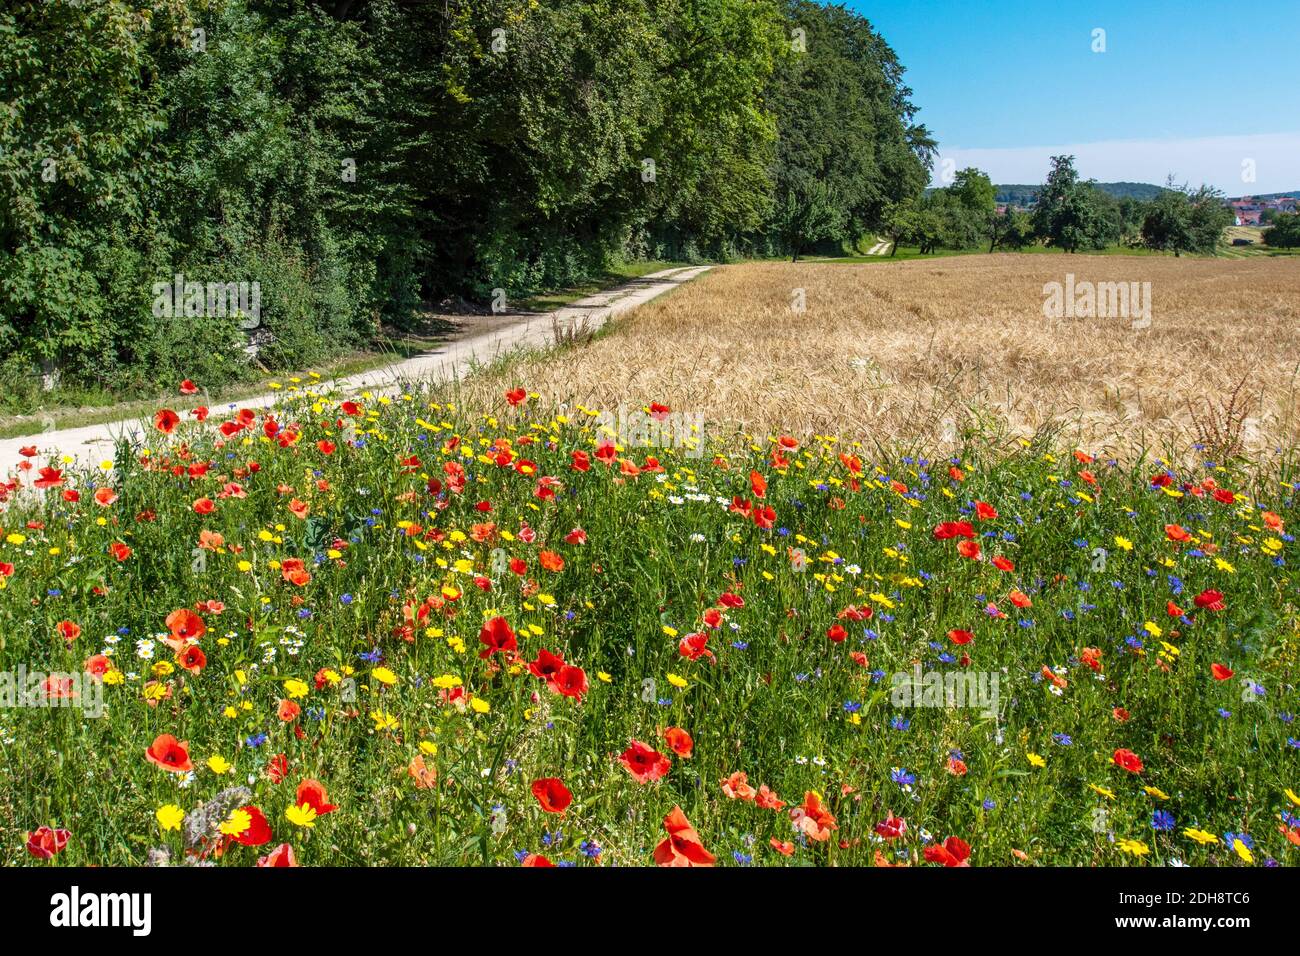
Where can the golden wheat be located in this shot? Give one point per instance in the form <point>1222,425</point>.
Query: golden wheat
<point>917,353</point>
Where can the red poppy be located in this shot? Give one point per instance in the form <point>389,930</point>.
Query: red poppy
<point>953,529</point>
<point>969,549</point>
<point>547,667</point>
<point>1172,609</point>
<point>682,846</point>
<point>258,831</point>
<point>277,768</point>
<point>694,646</point>
<point>737,786</point>
<point>119,550</point>
<point>643,762</point>
<point>552,794</point>
<point>169,753</point>
<point>812,818</point>
<point>572,682</point>
<point>192,659</point>
<point>68,630</point>
<point>1020,599</point>
<point>281,856</point>
<point>1210,600</point>
<point>679,741</point>
<point>50,478</point>
<point>550,561</point>
<point>45,842</point>
<point>496,635</point>
<point>536,859</point>
<point>1220,672</point>
<point>312,793</point>
<point>765,517</point>
<point>837,633</point>
<point>581,461</point>
<point>186,625</point>
<point>287,710</point>
<point>953,852</point>
<point>758,484</point>
<point>189,388</point>
<point>892,827</point>
<point>985,512</point>
<point>516,396</point>
<point>961,637</point>
<point>1127,760</point>
<point>166,420</point>
<point>1003,564</point>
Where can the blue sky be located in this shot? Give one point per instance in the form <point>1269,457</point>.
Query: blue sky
<point>1195,88</point>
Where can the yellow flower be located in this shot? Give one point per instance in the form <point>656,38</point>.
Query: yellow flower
<point>670,631</point>
<point>169,816</point>
<point>1291,795</point>
<point>1200,836</point>
<point>238,822</point>
<point>1036,760</point>
<point>295,688</point>
<point>1132,847</point>
<point>1243,851</point>
<point>428,748</point>
<point>1122,542</point>
<point>446,681</point>
<point>1156,792</point>
<point>384,676</point>
<point>605,678</point>
<point>677,680</point>
<point>383,721</point>
<point>303,815</point>
<point>1108,794</point>
<point>218,764</point>
<point>479,705</point>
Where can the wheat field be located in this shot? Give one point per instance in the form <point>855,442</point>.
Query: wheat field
<point>922,352</point>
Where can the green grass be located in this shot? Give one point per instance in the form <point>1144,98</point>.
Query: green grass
<point>404,574</point>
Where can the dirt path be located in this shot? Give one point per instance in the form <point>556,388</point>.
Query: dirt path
<point>484,339</point>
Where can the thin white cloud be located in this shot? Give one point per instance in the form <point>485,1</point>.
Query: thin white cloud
<point>1221,161</point>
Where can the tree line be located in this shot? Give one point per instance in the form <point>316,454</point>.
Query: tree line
<point>1068,213</point>
<point>359,158</point>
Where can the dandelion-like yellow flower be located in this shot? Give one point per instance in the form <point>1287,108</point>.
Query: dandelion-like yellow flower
<point>169,816</point>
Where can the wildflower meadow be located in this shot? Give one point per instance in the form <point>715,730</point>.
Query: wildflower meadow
<point>388,629</point>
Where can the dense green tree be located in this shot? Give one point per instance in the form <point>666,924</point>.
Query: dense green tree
<point>844,121</point>
<point>1072,214</point>
<point>1285,231</point>
<point>1182,220</point>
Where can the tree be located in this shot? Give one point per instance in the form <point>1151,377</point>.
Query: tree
<point>1181,219</point>
<point>1011,229</point>
<point>844,121</point>
<point>1071,214</point>
<point>1285,231</point>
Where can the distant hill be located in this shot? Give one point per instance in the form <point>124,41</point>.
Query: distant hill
<point>1020,195</point>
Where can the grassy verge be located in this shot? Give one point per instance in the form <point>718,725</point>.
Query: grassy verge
<point>80,408</point>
